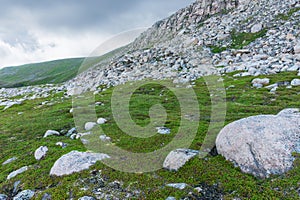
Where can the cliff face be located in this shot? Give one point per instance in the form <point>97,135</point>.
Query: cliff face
<point>192,15</point>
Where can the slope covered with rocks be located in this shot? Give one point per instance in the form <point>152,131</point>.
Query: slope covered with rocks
<point>209,37</point>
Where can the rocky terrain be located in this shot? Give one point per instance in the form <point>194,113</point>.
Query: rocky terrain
<point>253,46</point>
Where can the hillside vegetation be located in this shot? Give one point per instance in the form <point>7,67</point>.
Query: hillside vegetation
<point>52,72</point>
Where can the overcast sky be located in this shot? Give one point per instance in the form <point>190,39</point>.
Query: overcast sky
<point>34,31</point>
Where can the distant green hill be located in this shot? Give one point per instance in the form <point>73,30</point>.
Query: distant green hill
<point>56,71</point>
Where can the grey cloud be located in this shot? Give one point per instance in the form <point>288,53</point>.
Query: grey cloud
<point>75,15</point>
<point>23,25</point>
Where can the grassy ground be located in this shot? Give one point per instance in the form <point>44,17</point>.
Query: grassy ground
<point>22,134</point>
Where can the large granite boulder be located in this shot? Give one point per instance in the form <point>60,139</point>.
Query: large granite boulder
<point>262,145</point>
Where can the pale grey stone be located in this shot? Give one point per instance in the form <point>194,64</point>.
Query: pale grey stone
<point>17,172</point>
<point>179,186</point>
<point>171,198</point>
<point>260,82</point>
<point>177,158</point>
<point>262,145</point>
<point>86,198</point>
<point>163,130</point>
<point>9,160</point>
<point>3,197</point>
<point>89,126</point>
<point>295,82</point>
<point>256,28</point>
<point>75,162</point>
<point>297,48</point>
<point>105,138</point>
<point>101,121</point>
<point>40,152</point>
<point>50,133</point>
<point>24,195</point>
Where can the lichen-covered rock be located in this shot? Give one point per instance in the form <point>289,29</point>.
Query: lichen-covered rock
<point>262,145</point>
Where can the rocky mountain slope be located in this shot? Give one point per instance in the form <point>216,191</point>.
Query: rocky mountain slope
<point>209,37</point>
<point>254,48</point>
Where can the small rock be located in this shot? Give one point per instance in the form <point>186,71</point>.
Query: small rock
<point>17,172</point>
<point>71,131</point>
<point>40,152</point>
<point>297,48</point>
<point>273,90</point>
<point>16,187</point>
<point>269,87</point>
<point>163,130</point>
<point>89,126</point>
<point>86,198</point>
<point>105,138</point>
<point>9,160</point>
<point>24,195</point>
<point>295,82</point>
<point>3,197</point>
<point>179,186</point>
<point>256,28</point>
<point>293,68</point>
<point>50,133</point>
<point>46,196</point>
<point>177,158</point>
<point>101,121</point>
<point>258,82</point>
<point>171,198</point>
<point>63,145</point>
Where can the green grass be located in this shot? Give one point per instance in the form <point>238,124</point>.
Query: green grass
<point>20,135</point>
<point>242,39</point>
<point>288,15</point>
